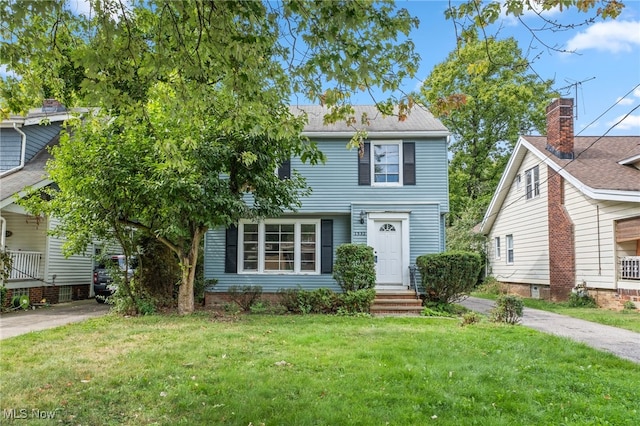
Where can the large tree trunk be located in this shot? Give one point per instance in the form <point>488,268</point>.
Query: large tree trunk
<point>188,263</point>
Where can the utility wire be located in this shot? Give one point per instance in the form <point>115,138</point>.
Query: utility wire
<point>507,188</point>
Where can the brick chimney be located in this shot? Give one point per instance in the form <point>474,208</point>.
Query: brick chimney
<point>560,128</point>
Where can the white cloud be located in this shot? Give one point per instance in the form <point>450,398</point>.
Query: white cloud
<point>632,122</point>
<point>625,101</point>
<point>636,92</point>
<point>611,36</point>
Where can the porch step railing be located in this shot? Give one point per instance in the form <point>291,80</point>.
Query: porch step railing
<point>25,265</point>
<point>630,268</point>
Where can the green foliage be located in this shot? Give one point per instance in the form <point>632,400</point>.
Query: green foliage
<point>581,300</point>
<point>354,268</point>
<point>6,262</point>
<point>490,286</point>
<point>325,301</point>
<point>470,318</point>
<point>3,297</point>
<point>508,309</point>
<point>158,273</point>
<point>486,95</point>
<point>627,306</point>
<point>191,105</point>
<point>447,276</point>
<point>356,301</point>
<point>245,296</point>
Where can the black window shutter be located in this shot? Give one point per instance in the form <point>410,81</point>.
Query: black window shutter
<point>364,165</point>
<point>326,246</point>
<point>284,171</point>
<point>409,163</point>
<point>231,250</point>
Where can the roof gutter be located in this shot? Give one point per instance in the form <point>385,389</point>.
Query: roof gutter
<point>23,150</point>
<point>378,135</point>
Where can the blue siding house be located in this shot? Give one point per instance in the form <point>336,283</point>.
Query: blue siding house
<point>393,198</point>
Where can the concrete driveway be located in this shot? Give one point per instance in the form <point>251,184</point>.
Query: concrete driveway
<point>20,322</point>
<point>623,343</point>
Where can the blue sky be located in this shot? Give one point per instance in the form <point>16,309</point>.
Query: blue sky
<point>605,65</point>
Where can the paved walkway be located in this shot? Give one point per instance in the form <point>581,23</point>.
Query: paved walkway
<point>623,343</point>
<point>20,322</point>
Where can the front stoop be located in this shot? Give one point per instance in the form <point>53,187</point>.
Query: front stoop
<point>396,303</point>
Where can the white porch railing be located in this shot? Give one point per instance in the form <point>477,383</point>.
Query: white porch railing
<point>26,265</point>
<point>630,268</point>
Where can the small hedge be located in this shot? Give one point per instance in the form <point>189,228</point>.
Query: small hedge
<point>354,268</point>
<point>325,301</point>
<point>449,275</point>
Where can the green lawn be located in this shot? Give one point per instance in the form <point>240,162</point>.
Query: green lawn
<point>626,319</point>
<point>312,370</point>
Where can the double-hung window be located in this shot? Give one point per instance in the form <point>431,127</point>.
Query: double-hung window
<point>279,246</point>
<point>509,239</point>
<point>497,250</point>
<point>532,178</point>
<point>387,163</point>
<point>387,158</point>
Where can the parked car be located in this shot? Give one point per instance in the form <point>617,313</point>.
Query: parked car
<point>103,284</point>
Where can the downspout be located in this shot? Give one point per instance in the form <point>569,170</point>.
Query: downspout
<point>23,151</point>
<point>3,232</point>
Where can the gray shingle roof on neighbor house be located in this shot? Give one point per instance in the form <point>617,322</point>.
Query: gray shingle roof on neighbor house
<point>596,161</point>
<point>33,174</point>
<point>419,120</point>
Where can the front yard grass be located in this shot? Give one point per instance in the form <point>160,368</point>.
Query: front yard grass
<point>312,370</point>
<point>627,319</point>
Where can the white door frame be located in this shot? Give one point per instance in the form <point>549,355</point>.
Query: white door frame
<point>377,217</point>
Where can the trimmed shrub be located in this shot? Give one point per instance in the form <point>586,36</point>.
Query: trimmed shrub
<point>508,309</point>
<point>447,276</point>
<point>470,318</point>
<point>355,267</point>
<point>355,302</point>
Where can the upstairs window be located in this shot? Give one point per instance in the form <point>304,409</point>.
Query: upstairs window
<point>498,254</point>
<point>387,163</point>
<point>532,177</point>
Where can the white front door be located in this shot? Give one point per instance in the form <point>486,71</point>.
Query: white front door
<point>388,249</point>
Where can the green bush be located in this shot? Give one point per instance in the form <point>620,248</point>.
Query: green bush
<point>508,309</point>
<point>355,302</point>
<point>449,275</point>
<point>581,300</point>
<point>629,306</point>
<point>470,318</point>
<point>245,296</point>
<point>325,301</point>
<point>354,268</point>
<point>491,286</point>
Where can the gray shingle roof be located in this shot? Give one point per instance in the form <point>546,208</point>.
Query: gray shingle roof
<point>596,161</point>
<point>32,174</point>
<point>418,120</point>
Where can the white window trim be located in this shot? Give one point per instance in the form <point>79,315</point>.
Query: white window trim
<point>373,163</point>
<point>535,183</point>
<point>297,246</point>
<point>497,253</point>
<point>509,247</point>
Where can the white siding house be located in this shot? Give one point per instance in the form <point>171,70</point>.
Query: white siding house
<point>580,225</point>
<point>39,269</point>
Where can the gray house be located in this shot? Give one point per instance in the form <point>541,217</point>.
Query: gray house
<point>40,271</point>
<point>393,198</point>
